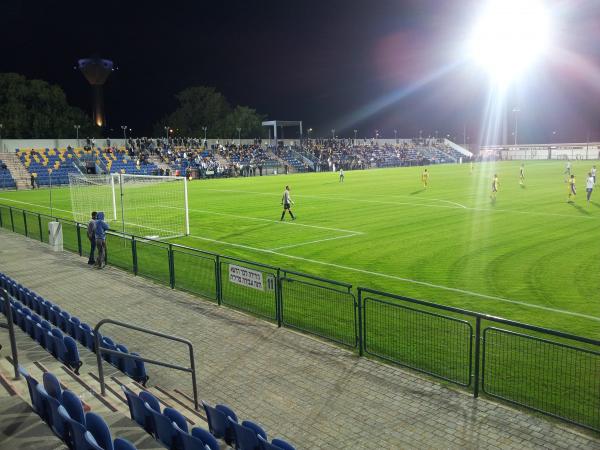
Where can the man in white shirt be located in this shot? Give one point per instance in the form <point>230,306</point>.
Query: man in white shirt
<point>589,186</point>
<point>287,203</point>
<point>594,173</point>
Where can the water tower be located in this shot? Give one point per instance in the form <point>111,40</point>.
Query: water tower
<point>96,71</point>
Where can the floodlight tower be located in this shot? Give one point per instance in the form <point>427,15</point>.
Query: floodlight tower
<point>96,71</point>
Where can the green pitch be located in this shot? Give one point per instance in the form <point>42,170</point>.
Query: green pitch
<point>529,256</point>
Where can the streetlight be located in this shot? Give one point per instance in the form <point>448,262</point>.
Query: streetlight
<point>239,130</point>
<point>309,131</point>
<point>355,132</point>
<point>166,132</point>
<point>376,134</point>
<point>205,128</point>
<point>333,133</point>
<point>420,134</point>
<point>124,128</point>
<point>396,136</point>
<point>516,110</point>
<point>77,127</point>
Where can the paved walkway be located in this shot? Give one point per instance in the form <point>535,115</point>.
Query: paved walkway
<point>313,394</point>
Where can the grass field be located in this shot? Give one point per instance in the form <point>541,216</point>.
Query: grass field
<point>528,256</point>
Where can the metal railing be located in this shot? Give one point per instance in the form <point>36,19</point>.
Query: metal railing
<point>545,370</point>
<point>101,349</point>
<point>7,310</point>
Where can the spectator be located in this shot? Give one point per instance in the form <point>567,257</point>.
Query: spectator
<point>100,228</point>
<point>92,237</point>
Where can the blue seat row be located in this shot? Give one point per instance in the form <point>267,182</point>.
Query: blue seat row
<point>63,411</point>
<point>37,314</point>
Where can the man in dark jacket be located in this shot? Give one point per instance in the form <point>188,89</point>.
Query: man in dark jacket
<point>100,232</point>
<point>92,237</point>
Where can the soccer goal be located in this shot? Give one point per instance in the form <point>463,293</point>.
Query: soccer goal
<point>144,205</point>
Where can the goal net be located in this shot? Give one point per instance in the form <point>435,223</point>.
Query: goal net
<point>143,205</point>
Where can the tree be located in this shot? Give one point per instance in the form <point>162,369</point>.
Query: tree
<point>203,106</point>
<point>37,109</point>
<point>247,119</point>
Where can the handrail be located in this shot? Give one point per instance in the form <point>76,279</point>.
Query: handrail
<point>11,331</point>
<point>100,349</point>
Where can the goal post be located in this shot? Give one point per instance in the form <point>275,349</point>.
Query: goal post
<point>143,205</point>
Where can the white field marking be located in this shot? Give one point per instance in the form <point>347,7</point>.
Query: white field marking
<point>531,213</point>
<point>407,280</point>
<point>453,203</point>
<point>315,242</point>
<point>383,275</point>
<point>268,220</point>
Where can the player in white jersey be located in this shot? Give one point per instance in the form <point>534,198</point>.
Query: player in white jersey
<point>589,185</point>
<point>593,172</point>
<point>341,175</point>
<point>522,174</point>
<point>287,203</point>
<point>567,171</point>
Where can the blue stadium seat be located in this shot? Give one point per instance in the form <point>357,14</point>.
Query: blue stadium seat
<point>54,342</point>
<point>217,421</point>
<point>72,404</point>
<point>246,434</point>
<point>138,411</point>
<point>74,331</point>
<point>110,345</point>
<point>74,431</point>
<point>136,370</point>
<point>36,402</point>
<point>50,411</point>
<point>163,427</point>
<point>147,397</point>
<point>71,357</point>
<point>208,439</point>
<point>98,434</point>
<point>118,361</point>
<point>30,323</point>
<point>123,444</point>
<point>275,444</point>
<point>63,321</point>
<point>52,386</point>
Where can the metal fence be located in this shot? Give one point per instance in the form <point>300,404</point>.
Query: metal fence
<point>545,370</point>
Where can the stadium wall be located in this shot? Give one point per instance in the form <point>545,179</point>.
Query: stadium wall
<point>585,150</point>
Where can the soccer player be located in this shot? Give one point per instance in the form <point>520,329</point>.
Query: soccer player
<point>593,172</point>
<point>589,185</point>
<point>567,171</point>
<point>495,184</point>
<point>571,189</point>
<point>522,174</point>
<point>425,178</point>
<point>471,166</point>
<point>287,203</point>
<point>341,175</point>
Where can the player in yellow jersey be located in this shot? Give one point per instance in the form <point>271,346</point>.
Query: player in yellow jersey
<point>495,185</point>
<point>572,191</point>
<point>522,175</point>
<point>425,178</point>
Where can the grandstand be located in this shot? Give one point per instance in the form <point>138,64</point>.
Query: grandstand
<point>6,179</point>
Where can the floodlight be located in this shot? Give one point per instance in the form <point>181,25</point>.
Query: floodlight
<point>509,37</point>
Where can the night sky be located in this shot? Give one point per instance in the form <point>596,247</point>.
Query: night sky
<point>344,64</point>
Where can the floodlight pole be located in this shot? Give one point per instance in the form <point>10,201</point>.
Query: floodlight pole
<point>124,128</point>
<point>333,133</point>
<point>396,136</point>
<point>355,131</point>
<point>166,134</point>
<point>239,136</point>
<point>204,128</point>
<point>77,127</point>
<point>516,110</point>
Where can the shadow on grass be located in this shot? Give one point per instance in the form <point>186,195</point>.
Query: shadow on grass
<point>417,192</point>
<point>581,209</point>
<point>596,204</point>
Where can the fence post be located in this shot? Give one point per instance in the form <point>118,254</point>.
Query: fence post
<point>171,266</point>
<point>134,260</point>
<point>361,347</point>
<point>40,224</point>
<point>1,222</point>
<point>278,298</point>
<point>79,246</point>
<point>12,222</point>
<point>477,352</point>
<point>25,224</point>
<point>218,280</point>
